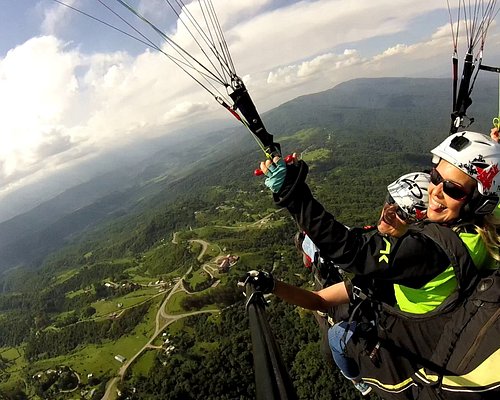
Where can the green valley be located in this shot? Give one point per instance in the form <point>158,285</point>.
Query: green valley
<point>130,299</point>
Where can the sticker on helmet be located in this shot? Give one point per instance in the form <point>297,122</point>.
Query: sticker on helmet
<point>487,175</point>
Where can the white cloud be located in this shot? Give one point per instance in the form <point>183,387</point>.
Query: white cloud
<point>322,65</point>
<point>427,58</point>
<point>36,84</point>
<point>54,17</point>
<point>185,109</point>
<point>391,51</point>
<point>309,28</point>
<point>58,104</point>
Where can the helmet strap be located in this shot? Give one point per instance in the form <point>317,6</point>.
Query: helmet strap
<point>477,205</point>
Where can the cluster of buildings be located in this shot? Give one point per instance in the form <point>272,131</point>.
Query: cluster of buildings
<point>126,285</point>
<point>166,344</point>
<point>227,262</point>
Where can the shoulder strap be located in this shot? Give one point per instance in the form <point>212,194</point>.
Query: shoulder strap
<point>449,241</point>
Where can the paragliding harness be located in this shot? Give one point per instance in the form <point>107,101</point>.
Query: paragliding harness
<point>468,350</point>
<point>444,354</point>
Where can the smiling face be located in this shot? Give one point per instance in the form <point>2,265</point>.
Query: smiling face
<point>443,208</point>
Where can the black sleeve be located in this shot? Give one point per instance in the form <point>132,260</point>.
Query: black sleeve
<point>411,260</point>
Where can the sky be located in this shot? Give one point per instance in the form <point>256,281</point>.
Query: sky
<point>72,88</point>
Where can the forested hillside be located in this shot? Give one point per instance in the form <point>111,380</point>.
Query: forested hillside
<point>124,275</point>
<point>412,111</point>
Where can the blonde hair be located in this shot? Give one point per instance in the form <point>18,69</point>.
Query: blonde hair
<point>488,227</point>
<point>490,233</point>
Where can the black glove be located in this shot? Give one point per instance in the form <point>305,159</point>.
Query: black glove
<point>262,281</point>
<point>295,177</point>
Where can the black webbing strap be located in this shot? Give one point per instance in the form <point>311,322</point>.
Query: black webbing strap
<point>243,103</point>
<point>489,68</point>
<point>271,377</point>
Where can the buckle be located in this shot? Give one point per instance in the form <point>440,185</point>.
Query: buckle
<point>358,293</point>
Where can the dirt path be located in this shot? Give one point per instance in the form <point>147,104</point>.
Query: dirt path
<point>204,247</point>
<point>174,238</point>
<point>163,320</point>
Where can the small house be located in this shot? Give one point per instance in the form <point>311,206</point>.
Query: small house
<point>120,358</point>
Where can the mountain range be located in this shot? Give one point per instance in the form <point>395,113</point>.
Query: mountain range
<point>411,110</point>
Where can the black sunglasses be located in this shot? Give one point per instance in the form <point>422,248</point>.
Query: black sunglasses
<point>402,214</point>
<point>452,189</point>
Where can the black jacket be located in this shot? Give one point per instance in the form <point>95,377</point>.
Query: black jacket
<point>411,260</point>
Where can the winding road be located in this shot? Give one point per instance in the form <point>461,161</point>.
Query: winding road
<point>162,321</point>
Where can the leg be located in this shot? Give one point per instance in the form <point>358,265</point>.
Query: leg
<point>338,336</point>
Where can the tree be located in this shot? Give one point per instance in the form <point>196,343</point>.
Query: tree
<point>88,312</point>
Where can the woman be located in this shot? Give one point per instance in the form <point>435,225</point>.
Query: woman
<point>406,203</point>
<point>464,192</point>
<point>463,195</point>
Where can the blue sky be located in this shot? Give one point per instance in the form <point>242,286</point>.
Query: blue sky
<point>70,88</point>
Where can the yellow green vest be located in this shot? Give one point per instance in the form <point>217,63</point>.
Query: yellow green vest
<point>433,293</point>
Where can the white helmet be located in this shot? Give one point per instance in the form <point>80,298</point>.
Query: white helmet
<point>410,193</point>
<point>478,156</point>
